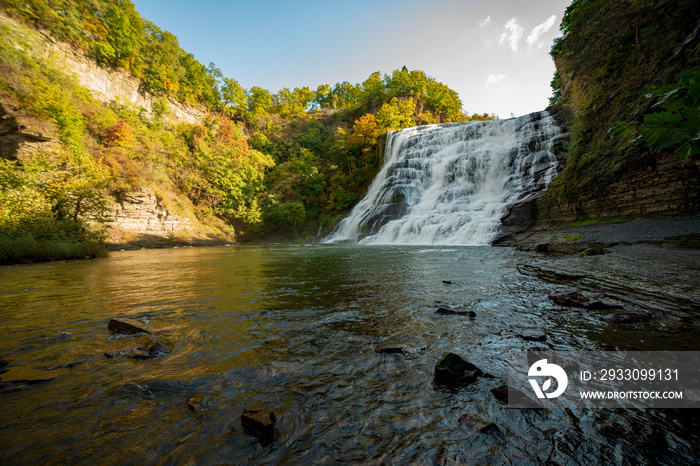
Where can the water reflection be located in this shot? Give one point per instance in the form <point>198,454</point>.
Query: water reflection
<point>295,326</point>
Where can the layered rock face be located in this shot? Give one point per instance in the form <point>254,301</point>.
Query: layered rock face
<point>661,187</point>
<point>106,84</point>
<point>143,213</point>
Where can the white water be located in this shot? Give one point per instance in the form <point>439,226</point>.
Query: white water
<point>452,183</point>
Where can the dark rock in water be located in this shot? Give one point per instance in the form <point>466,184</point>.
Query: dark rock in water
<point>573,299</point>
<point>120,326</point>
<point>259,420</point>
<point>541,248</point>
<point>389,349</point>
<point>500,393</point>
<point>139,352</point>
<point>601,306</point>
<point>532,335</point>
<point>452,369</point>
<point>447,312</point>
<point>447,282</point>
<point>474,423</point>
<point>625,318</point>
<point>594,251</point>
<point>116,353</point>
<point>158,348</point>
<point>196,404</point>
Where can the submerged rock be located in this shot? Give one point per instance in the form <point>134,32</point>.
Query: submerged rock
<point>474,423</point>
<point>259,420</point>
<point>625,318</point>
<point>121,326</point>
<point>500,393</point>
<point>452,369</point>
<point>389,348</point>
<point>447,312</point>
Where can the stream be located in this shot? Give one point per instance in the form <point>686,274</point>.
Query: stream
<point>296,327</point>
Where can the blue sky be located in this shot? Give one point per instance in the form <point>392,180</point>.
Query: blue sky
<point>495,53</point>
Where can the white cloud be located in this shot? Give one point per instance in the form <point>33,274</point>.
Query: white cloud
<point>539,30</point>
<point>485,21</point>
<point>494,78</point>
<point>513,33</point>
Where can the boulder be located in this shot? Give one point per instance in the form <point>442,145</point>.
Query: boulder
<point>121,326</point>
<point>259,420</point>
<point>452,369</point>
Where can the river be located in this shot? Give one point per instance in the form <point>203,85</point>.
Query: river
<point>297,327</point>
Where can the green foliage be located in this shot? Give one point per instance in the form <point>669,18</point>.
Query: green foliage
<point>285,159</point>
<point>27,248</point>
<point>613,54</point>
<point>284,217</point>
<point>677,124</point>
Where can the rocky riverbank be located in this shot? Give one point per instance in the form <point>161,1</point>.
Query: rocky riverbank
<point>595,238</point>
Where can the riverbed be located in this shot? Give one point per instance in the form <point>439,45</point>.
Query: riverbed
<point>297,327</point>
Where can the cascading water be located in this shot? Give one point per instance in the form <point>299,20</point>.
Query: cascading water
<point>452,183</point>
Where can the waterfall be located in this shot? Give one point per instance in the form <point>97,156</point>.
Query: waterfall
<point>452,183</point>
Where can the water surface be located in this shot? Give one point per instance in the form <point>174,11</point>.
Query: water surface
<point>297,327</point>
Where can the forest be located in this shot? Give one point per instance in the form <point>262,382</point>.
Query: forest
<point>260,164</point>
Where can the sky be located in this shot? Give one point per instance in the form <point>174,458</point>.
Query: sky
<point>493,53</point>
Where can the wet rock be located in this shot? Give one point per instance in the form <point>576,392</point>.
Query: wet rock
<point>594,251</point>
<point>668,326</point>
<point>450,312</point>
<point>159,348</point>
<point>500,393</point>
<point>542,247</point>
<point>573,299</point>
<point>624,318</point>
<point>452,369</point>
<point>139,352</point>
<point>532,335</point>
<point>474,423</point>
<point>259,420</point>
<point>198,404</point>
<point>389,348</point>
<point>447,282</point>
<point>121,326</point>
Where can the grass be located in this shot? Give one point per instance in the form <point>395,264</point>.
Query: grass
<point>24,249</point>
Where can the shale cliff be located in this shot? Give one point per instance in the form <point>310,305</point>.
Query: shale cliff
<point>32,128</point>
<point>612,55</point>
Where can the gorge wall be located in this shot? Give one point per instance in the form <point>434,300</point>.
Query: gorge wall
<point>21,134</point>
<point>611,56</point>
